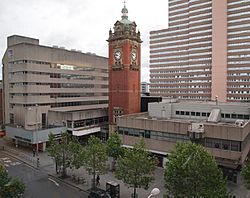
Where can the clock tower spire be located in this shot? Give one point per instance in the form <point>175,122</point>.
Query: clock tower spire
<point>124,69</point>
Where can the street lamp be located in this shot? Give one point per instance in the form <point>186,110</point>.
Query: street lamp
<point>36,130</point>
<point>154,192</point>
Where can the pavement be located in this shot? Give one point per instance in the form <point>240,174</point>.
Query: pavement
<point>46,164</point>
<point>84,183</point>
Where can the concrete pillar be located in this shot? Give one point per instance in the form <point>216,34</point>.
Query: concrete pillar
<point>16,143</point>
<point>44,146</point>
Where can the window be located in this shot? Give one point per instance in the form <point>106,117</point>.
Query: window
<point>217,143</point>
<point>235,146</point>
<point>225,144</point>
<point>208,142</point>
<point>227,115</point>
<point>246,117</point>
<point>203,114</point>
<point>147,134</point>
<point>11,118</point>
<point>192,113</point>
<point>187,113</point>
<point>233,116</point>
<point>197,113</point>
<point>117,111</point>
<point>177,113</point>
<point>240,116</point>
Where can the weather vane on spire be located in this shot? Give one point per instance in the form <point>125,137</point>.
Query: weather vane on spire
<point>124,11</point>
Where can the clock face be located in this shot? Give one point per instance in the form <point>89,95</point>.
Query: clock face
<point>133,55</point>
<point>117,55</point>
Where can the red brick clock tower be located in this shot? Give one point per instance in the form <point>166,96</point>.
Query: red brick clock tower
<point>124,69</point>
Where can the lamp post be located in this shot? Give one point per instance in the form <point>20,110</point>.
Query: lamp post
<point>36,130</point>
<point>154,192</point>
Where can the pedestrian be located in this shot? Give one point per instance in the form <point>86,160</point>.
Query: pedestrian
<point>34,152</point>
<point>37,162</point>
<point>98,180</point>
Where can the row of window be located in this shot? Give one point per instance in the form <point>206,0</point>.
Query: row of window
<point>154,52</point>
<point>184,61</point>
<point>178,71</point>
<point>59,85</point>
<point>58,75</point>
<point>180,87</point>
<point>238,92</point>
<point>60,66</point>
<point>165,136</point>
<point>181,81</point>
<point>183,97</point>
<point>206,114</point>
<point>186,92</point>
<point>175,137</point>
<point>159,46</point>
<point>182,40</point>
<point>180,76</point>
<point>240,99</point>
<point>180,35</point>
<point>88,122</point>
<point>222,144</point>
<point>59,95</point>
<point>64,104</point>
<point>160,66</point>
<point>181,56</point>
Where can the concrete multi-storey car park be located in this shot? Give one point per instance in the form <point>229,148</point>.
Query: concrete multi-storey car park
<point>222,128</point>
<point>204,53</point>
<point>51,89</point>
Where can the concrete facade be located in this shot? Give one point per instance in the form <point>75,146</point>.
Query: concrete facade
<point>52,87</point>
<point>225,134</point>
<point>204,54</point>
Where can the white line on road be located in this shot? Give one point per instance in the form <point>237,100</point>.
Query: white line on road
<point>53,181</point>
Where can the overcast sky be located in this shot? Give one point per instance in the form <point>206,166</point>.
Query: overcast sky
<point>80,24</point>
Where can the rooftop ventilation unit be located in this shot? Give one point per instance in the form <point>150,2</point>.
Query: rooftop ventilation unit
<point>239,123</point>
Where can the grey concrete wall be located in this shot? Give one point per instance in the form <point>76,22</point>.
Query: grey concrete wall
<point>33,136</point>
<point>16,39</point>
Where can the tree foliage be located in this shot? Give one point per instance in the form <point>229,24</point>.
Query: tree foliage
<point>10,187</point>
<point>136,167</point>
<point>64,151</point>
<point>192,172</point>
<point>245,172</point>
<point>114,146</point>
<point>95,157</point>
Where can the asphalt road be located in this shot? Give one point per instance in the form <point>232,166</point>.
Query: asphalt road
<point>38,184</point>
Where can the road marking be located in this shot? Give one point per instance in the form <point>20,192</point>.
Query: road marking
<point>7,162</point>
<point>5,158</point>
<point>53,181</point>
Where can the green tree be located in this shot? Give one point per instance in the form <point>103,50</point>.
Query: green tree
<point>64,151</point>
<point>10,187</point>
<point>245,172</point>
<point>136,167</point>
<point>95,157</point>
<point>114,148</point>
<point>192,172</point>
